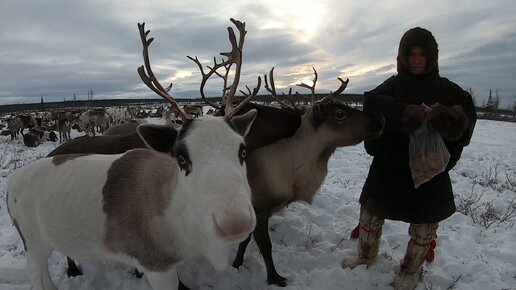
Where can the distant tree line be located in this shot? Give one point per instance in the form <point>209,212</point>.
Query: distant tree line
<point>488,110</point>
<point>99,103</point>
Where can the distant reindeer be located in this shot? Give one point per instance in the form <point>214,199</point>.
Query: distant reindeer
<point>193,110</point>
<point>118,115</point>
<point>170,117</point>
<point>31,139</point>
<point>64,126</point>
<point>15,126</point>
<point>93,118</point>
<point>152,209</point>
<point>30,120</point>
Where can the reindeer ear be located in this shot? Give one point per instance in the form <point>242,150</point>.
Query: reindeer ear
<point>158,137</point>
<point>242,123</point>
<point>319,110</point>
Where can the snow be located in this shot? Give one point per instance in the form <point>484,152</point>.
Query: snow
<point>310,241</point>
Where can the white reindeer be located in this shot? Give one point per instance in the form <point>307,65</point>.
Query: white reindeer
<point>150,208</point>
<point>145,208</point>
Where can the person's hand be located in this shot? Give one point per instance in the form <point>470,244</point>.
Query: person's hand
<point>449,121</point>
<point>413,118</point>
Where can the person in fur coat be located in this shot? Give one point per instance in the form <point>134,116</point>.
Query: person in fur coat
<point>389,191</point>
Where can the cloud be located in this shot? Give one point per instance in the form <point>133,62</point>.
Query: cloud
<point>53,49</point>
<point>491,66</point>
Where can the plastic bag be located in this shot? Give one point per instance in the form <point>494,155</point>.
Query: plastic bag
<point>428,155</point>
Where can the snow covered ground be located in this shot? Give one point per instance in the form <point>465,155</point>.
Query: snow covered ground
<point>474,251</point>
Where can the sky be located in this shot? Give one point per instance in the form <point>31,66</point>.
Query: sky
<point>54,49</point>
<point>310,241</point>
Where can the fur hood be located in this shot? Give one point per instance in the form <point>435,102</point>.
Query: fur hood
<point>418,37</point>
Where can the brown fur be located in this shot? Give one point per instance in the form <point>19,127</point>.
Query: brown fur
<point>133,173</point>
<point>271,124</point>
<point>31,139</point>
<point>122,128</point>
<point>112,144</point>
<point>451,121</point>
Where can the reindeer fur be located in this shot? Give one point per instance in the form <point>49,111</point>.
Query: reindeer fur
<point>152,209</point>
<point>294,168</point>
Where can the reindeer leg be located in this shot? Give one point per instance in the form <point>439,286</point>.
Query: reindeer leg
<point>163,280</point>
<point>37,267</point>
<point>72,271</point>
<point>239,259</point>
<point>263,240</point>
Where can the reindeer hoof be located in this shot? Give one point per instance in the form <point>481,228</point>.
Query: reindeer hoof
<point>277,280</point>
<point>137,273</point>
<point>237,264</point>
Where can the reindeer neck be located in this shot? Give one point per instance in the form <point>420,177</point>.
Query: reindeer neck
<point>310,143</point>
<point>310,152</point>
<point>290,169</point>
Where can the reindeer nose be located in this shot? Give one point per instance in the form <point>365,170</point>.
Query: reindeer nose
<point>235,225</point>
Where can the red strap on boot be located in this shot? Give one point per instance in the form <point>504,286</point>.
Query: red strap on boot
<point>356,231</point>
<point>431,245</point>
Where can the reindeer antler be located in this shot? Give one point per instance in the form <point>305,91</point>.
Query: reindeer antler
<point>233,57</point>
<point>272,90</point>
<point>312,87</point>
<point>150,79</point>
<point>326,99</point>
<point>343,85</point>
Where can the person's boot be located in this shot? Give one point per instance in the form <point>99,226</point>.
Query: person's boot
<point>368,232</point>
<point>420,248</point>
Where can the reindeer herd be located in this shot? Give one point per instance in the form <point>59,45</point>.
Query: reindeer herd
<point>153,196</point>
<point>56,125</point>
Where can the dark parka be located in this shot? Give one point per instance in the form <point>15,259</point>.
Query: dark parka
<point>389,190</point>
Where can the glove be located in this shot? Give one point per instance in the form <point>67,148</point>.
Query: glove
<point>413,118</point>
<point>449,121</point>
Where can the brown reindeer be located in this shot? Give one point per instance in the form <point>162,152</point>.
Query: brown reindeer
<point>294,168</point>
<point>31,139</point>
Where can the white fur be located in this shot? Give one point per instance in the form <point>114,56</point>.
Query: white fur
<point>61,208</point>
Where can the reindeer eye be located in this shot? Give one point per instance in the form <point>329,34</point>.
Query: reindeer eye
<point>184,164</point>
<point>341,115</point>
<point>181,160</point>
<point>242,153</point>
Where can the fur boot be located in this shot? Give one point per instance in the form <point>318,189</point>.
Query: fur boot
<point>368,232</point>
<point>420,248</point>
